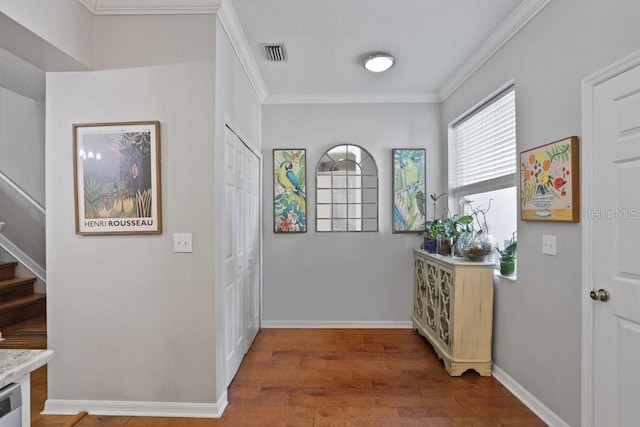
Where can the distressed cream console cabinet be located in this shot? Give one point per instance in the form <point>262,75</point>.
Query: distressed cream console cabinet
<point>453,310</point>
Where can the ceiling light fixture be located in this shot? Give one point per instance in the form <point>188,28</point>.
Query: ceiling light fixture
<point>379,62</point>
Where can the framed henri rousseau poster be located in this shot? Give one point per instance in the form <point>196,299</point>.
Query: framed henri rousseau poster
<point>550,182</point>
<point>289,191</point>
<point>409,188</point>
<point>117,178</point>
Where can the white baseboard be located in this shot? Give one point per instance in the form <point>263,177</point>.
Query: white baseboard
<point>529,400</point>
<point>140,409</point>
<point>330,324</point>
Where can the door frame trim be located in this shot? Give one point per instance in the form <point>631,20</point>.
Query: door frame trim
<point>589,85</point>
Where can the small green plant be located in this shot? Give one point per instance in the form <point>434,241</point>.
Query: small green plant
<point>508,257</point>
<point>434,229</point>
<point>435,198</point>
<point>511,250</point>
<point>456,225</point>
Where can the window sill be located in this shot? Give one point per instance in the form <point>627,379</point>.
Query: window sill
<point>512,278</point>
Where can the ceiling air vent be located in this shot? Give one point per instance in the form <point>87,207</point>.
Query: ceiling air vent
<point>275,52</point>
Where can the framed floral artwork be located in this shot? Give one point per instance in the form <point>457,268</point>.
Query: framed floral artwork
<point>289,191</point>
<point>117,178</point>
<point>409,188</point>
<point>550,182</point>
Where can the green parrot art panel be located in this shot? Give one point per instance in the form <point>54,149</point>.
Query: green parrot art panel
<point>289,191</point>
<point>409,190</point>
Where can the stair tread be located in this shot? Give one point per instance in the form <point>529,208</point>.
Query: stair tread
<point>19,302</point>
<point>10,283</point>
<point>8,264</point>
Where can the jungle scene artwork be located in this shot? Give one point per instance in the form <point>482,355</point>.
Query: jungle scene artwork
<point>117,178</point>
<point>289,191</point>
<point>409,188</point>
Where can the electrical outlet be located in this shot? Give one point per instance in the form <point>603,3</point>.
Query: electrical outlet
<point>182,242</point>
<point>549,245</point>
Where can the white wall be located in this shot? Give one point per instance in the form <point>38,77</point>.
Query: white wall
<point>537,319</point>
<point>237,106</point>
<point>22,142</point>
<point>53,35</point>
<point>128,319</point>
<point>344,277</point>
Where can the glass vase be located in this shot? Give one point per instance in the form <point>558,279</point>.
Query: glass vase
<point>477,245</point>
<point>445,245</point>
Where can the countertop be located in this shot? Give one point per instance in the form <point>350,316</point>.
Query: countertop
<point>452,260</point>
<point>15,364</point>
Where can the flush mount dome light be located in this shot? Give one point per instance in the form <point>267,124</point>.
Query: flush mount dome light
<point>379,62</point>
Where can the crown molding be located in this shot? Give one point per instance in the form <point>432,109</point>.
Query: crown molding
<point>510,27</point>
<point>225,12</point>
<point>151,7</point>
<point>222,8</point>
<point>231,25</point>
<point>353,98</point>
<point>89,4</point>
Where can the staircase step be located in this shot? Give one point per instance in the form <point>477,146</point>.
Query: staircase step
<point>7,270</point>
<point>22,308</point>
<point>16,288</point>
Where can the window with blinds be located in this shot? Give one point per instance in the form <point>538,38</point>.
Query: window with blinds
<point>483,163</point>
<point>484,147</point>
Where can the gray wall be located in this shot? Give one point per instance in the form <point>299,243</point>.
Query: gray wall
<point>344,277</point>
<point>125,312</point>
<point>537,319</point>
<point>128,304</point>
<point>22,142</point>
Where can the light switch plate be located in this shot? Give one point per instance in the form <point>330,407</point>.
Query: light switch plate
<point>182,242</point>
<point>549,245</point>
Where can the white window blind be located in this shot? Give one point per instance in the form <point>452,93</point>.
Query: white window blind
<point>485,146</point>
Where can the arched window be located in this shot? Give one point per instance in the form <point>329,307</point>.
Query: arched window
<point>347,190</point>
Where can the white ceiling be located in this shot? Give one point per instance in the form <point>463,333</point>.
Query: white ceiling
<point>436,43</point>
<point>327,40</point>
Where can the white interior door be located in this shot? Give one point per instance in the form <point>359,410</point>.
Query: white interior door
<point>614,218</point>
<point>242,251</point>
<point>234,273</point>
<point>252,248</point>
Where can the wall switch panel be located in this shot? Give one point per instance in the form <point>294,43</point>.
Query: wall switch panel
<point>549,245</point>
<point>182,242</point>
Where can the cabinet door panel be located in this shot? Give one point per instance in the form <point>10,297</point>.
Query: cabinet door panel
<point>420,291</point>
<point>445,280</point>
<point>432,296</point>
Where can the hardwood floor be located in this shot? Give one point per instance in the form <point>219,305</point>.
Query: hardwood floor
<point>332,377</point>
<point>30,333</point>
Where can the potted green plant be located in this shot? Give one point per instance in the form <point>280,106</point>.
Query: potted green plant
<point>453,227</point>
<point>508,257</point>
<point>433,229</point>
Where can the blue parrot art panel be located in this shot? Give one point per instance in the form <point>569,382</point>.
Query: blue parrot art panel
<point>409,190</point>
<point>289,191</point>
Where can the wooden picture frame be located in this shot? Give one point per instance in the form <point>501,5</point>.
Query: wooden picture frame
<point>290,190</point>
<point>550,182</point>
<point>409,189</point>
<point>117,178</point>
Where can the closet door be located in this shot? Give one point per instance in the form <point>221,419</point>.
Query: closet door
<point>234,272</point>
<point>242,252</point>
<point>252,248</point>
